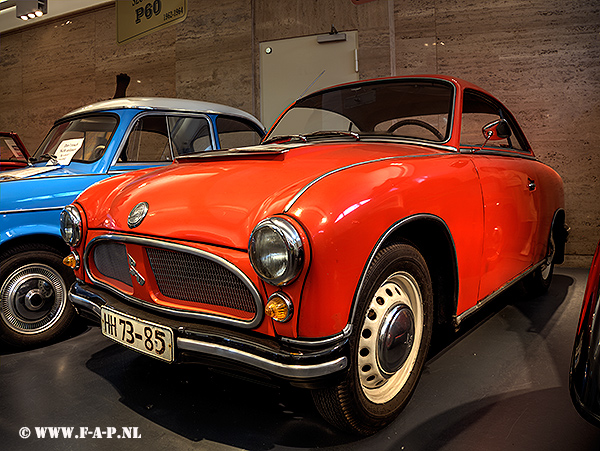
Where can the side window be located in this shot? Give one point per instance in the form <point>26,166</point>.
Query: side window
<point>148,141</point>
<point>190,135</point>
<point>479,111</point>
<point>235,132</point>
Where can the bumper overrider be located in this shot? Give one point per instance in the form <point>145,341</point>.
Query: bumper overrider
<point>304,363</point>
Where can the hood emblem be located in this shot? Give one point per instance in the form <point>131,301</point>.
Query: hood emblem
<point>137,215</point>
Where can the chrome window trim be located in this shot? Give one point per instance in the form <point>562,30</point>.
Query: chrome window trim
<point>115,164</point>
<point>404,79</point>
<point>189,250</point>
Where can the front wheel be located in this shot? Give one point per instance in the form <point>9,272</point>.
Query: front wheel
<point>392,331</point>
<point>34,307</point>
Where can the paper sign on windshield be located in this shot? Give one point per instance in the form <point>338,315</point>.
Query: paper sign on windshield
<point>66,150</point>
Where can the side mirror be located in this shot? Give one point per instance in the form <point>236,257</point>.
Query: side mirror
<point>496,130</point>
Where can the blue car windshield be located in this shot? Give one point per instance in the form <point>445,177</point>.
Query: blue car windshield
<point>416,109</point>
<point>83,139</point>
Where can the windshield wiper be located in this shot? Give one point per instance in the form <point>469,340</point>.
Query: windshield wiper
<point>333,133</point>
<point>281,138</point>
<point>48,156</point>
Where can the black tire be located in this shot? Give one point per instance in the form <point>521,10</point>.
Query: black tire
<point>538,282</point>
<point>34,307</point>
<point>383,373</point>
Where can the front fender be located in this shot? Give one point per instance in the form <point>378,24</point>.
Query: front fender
<point>348,213</point>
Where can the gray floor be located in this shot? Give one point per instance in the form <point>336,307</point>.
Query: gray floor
<point>502,384</point>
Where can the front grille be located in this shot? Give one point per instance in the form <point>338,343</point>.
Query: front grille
<point>192,278</point>
<point>111,261</point>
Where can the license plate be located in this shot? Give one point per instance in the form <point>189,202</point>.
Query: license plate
<point>141,335</point>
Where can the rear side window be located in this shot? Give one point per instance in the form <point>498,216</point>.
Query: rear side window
<point>234,132</point>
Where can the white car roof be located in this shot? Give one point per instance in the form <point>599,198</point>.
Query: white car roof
<point>165,104</point>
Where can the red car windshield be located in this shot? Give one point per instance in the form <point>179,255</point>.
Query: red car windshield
<point>11,148</point>
<point>410,108</point>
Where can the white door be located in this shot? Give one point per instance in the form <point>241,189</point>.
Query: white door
<point>290,68</point>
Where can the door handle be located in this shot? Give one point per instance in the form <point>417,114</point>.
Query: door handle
<point>531,184</point>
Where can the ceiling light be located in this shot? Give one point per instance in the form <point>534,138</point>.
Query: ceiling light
<point>30,9</point>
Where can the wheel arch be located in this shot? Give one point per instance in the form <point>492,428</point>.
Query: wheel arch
<point>560,234</point>
<point>43,239</point>
<point>430,235</point>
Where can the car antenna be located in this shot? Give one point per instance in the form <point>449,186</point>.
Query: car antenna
<point>314,81</point>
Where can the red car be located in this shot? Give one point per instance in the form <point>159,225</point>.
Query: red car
<point>371,214</point>
<point>13,153</point>
<point>584,377</point>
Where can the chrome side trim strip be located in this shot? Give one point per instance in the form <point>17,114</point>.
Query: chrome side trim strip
<point>334,171</point>
<point>320,342</point>
<point>31,210</point>
<point>189,250</point>
<point>499,291</point>
<point>295,371</point>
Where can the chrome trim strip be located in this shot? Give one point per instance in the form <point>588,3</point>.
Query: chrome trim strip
<point>189,250</point>
<point>499,291</point>
<point>294,371</point>
<point>30,210</point>
<point>320,342</point>
<point>321,177</point>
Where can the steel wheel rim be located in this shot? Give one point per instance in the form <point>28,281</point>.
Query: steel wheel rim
<point>399,291</point>
<point>33,299</point>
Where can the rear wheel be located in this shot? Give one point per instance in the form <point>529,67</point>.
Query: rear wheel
<point>34,307</point>
<point>392,332</point>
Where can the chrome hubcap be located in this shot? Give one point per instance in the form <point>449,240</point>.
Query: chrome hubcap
<point>32,299</point>
<point>390,337</point>
<point>395,339</point>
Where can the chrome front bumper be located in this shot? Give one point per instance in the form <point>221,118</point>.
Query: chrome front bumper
<point>296,363</point>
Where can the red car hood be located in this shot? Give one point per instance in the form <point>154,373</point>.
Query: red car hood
<point>219,200</point>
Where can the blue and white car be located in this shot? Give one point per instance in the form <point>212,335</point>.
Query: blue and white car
<point>83,147</point>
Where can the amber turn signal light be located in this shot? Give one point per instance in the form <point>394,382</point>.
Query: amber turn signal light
<point>72,261</point>
<point>279,307</point>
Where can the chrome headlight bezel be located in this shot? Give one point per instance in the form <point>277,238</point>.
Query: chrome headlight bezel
<point>276,251</point>
<point>71,228</point>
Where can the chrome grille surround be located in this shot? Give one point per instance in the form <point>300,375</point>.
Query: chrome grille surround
<point>257,308</point>
<point>185,276</point>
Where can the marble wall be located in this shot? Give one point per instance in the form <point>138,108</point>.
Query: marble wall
<point>540,57</point>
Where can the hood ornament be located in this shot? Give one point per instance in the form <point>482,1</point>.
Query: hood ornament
<point>137,214</point>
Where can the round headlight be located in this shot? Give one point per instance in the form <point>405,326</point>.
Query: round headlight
<point>70,225</point>
<point>276,251</point>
